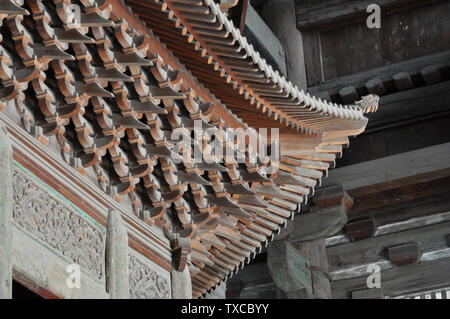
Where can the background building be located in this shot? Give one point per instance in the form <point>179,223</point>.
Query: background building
<point>396,173</point>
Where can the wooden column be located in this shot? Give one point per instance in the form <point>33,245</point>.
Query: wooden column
<point>297,260</point>
<point>117,280</point>
<point>280,17</point>
<point>6,197</point>
<point>181,284</point>
<point>314,252</point>
<point>288,268</point>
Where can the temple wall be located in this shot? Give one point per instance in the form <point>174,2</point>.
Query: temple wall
<point>147,279</point>
<point>50,234</point>
<point>59,220</point>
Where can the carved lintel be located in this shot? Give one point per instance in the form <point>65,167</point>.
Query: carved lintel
<point>6,197</point>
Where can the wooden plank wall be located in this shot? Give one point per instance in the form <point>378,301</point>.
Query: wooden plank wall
<point>403,36</point>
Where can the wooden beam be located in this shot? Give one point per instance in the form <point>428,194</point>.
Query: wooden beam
<point>398,281</point>
<point>333,196</point>
<point>406,106</point>
<point>409,215</point>
<point>315,225</point>
<point>262,38</point>
<point>337,13</point>
<point>389,169</point>
<point>374,293</point>
<point>374,249</point>
<point>384,73</point>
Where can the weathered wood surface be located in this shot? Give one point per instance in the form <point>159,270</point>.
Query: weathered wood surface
<point>391,168</point>
<point>399,218</point>
<point>333,13</point>
<point>360,229</point>
<point>404,254</point>
<point>181,284</point>
<point>374,293</point>
<point>117,278</point>
<point>405,107</point>
<point>408,212</point>
<point>133,92</point>
<point>316,255</point>
<point>288,268</point>
<point>397,281</point>
<point>263,39</point>
<point>6,201</point>
<point>280,16</point>
<point>430,238</point>
<point>384,74</point>
<point>315,225</point>
<point>402,37</point>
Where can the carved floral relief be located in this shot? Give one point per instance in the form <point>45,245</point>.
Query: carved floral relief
<point>57,225</point>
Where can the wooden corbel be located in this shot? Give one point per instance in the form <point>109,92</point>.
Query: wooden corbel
<point>181,245</point>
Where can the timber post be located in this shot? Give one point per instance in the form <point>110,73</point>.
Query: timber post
<point>297,260</point>
<point>6,197</point>
<point>280,17</point>
<point>181,284</point>
<point>117,281</point>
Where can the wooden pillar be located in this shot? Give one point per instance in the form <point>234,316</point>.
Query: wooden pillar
<point>117,280</point>
<point>181,284</point>
<point>6,197</point>
<point>314,252</point>
<point>279,15</point>
<point>288,269</point>
<point>297,260</point>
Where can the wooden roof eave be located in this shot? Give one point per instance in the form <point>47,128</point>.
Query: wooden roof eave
<point>119,9</point>
<point>263,77</point>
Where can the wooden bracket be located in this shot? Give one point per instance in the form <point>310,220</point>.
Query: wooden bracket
<point>404,254</point>
<point>361,229</point>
